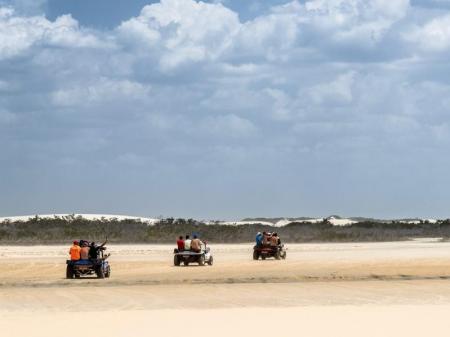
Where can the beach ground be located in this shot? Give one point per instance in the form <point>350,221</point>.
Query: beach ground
<point>351,289</point>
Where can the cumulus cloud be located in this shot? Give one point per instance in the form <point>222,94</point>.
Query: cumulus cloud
<point>301,95</point>
<point>187,31</point>
<point>18,34</point>
<point>432,36</point>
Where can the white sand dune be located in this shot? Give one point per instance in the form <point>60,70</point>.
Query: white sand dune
<point>85,216</point>
<point>285,222</point>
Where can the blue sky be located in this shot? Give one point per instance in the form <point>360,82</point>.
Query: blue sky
<point>225,109</point>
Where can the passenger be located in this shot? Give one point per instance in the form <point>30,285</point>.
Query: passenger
<point>279,240</point>
<point>196,244</point>
<point>266,238</point>
<point>274,240</point>
<point>180,243</point>
<point>94,250</point>
<point>259,239</point>
<point>84,251</point>
<point>187,243</point>
<point>75,251</point>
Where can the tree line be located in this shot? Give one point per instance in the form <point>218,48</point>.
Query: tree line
<point>67,228</point>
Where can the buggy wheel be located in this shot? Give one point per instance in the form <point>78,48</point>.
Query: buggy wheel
<point>210,262</point>
<point>263,257</point>
<point>176,260</point>
<point>201,260</point>
<point>277,255</point>
<point>186,263</point>
<point>69,272</point>
<point>255,255</point>
<point>100,273</point>
<point>283,256</point>
<point>108,272</point>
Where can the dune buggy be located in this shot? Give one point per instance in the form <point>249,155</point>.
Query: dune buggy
<point>265,251</point>
<point>100,267</point>
<point>187,256</point>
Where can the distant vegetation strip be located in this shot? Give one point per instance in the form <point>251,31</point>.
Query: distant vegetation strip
<point>64,229</point>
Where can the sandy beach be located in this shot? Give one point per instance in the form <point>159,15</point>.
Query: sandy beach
<point>378,289</point>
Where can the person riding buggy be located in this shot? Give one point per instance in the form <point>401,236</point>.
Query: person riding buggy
<point>86,259</point>
<point>192,251</point>
<point>268,245</point>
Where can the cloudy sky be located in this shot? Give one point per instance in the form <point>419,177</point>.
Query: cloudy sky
<point>225,109</point>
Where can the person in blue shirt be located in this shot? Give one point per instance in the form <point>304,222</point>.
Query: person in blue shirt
<point>259,239</point>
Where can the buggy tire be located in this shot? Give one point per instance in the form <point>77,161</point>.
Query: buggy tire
<point>69,272</point>
<point>201,260</point>
<point>277,255</point>
<point>100,272</point>
<point>210,262</point>
<point>176,260</point>
<point>108,272</point>
<point>263,257</point>
<point>283,256</point>
<point>255,255</point>
<point>186,263</point>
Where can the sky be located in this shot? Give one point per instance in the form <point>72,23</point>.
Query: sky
<point>225,109</point>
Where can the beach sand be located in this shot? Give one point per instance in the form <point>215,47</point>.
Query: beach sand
<point>351,289</point>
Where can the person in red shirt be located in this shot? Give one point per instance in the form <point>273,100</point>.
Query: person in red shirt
<point>180,244</point>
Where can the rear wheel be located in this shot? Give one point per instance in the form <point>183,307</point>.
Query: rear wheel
<point>201,260</point>
<point>176,260</point>
<point>100,272</point>
<point>210,262</point>
<point>69,272</point>
<point>186,263</point>
<point>277,255</point>
<point>283,256</point>
<point>255,255</point>
<point>263,257</point>
<point>108,272</point>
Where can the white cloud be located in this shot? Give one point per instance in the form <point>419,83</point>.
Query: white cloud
<point>434,36</point>
<point>269,36</point>
<point>281,108</point>
<point>338,91</point>
<point>357,21</point>
<point>300,85</point>
<point>103,90</point>
<point>18,34</point>
<point>183,31</point>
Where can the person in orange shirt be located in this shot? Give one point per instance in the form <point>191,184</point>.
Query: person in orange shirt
<point>75,251</point>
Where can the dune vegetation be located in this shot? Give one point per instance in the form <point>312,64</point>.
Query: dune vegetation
<point>62,229</point>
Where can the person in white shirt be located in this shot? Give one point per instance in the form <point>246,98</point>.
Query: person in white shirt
<point>187,243</point>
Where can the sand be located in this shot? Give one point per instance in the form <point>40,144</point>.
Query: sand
<point>370,289</point>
